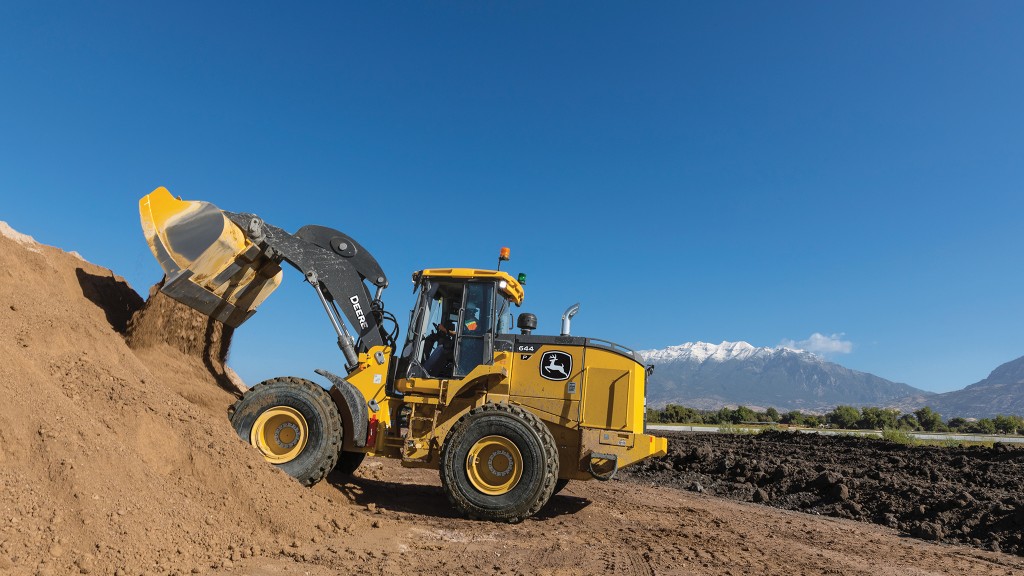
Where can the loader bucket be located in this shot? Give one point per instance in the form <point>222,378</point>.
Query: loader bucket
<point>210,264</point>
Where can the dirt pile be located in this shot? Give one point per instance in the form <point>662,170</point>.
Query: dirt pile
<point>967,495</point>
<point>121,459</point>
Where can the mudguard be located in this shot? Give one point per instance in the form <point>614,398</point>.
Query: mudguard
<point>355,416</point>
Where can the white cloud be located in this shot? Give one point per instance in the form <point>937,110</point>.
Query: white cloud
<point>821,344</point>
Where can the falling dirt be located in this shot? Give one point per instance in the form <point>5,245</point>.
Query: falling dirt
<point>119,459</point>
<point>164,321</point>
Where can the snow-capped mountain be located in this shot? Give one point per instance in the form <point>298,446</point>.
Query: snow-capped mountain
<point>702,351</point>
<point>709,376</point>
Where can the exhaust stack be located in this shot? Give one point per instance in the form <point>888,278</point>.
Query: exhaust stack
<point>567,317</point>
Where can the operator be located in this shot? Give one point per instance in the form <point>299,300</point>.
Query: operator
<point>441,345</point>
<point>471,320</point>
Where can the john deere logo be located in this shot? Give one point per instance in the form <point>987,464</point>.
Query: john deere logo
<point>556,365</point>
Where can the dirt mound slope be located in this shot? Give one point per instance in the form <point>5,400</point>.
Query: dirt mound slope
<point>114,458</point>
<point>967,495</point>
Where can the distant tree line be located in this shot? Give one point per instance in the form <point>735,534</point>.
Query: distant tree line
<point>847,417</point>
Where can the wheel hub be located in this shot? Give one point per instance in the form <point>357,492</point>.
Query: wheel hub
<point>280,433</point>
<point>507,461</point>
<point>494,465</point>
<point>287,435</point>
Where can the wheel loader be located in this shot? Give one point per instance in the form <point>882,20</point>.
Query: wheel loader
<point>508,419</point>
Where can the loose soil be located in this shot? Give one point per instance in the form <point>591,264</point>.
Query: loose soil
<point>119,459</point>
<point>966,495</point>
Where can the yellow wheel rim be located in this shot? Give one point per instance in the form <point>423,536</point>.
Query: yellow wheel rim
<point>280,433</point>
<point>494,465</point>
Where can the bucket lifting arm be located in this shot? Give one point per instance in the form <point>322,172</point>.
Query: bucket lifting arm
<point>225,264</point>
<point>334,264</point>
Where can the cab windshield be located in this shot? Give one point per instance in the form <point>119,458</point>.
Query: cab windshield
<point>452,328</point>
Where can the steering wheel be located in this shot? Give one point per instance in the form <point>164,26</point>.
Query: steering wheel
<point>434,340</point>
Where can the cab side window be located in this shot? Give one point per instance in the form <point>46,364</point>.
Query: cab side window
<point>475,336</point>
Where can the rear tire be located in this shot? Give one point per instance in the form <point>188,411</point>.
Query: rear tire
<point>499,462</point>
<point>293,422</point>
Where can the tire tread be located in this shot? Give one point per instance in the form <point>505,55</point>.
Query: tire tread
<point>550,478</point>
<point>322,402</point>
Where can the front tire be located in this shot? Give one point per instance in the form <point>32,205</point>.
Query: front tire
<point>499,462</point>
<point>293,422</point>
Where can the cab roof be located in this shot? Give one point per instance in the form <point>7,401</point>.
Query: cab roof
<point>512,288</point>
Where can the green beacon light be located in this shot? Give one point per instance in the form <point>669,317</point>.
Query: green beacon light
<point>522,278</point>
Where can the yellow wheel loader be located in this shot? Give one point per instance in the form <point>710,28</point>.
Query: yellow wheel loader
<point>507,418</point>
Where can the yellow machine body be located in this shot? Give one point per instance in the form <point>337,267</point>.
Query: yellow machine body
<point>599,409</point>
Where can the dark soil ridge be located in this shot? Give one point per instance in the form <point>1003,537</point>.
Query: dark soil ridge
<point>968,495</point>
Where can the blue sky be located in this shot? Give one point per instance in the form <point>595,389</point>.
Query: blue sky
<point>687,171</point>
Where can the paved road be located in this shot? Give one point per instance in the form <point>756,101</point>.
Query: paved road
<point>920,435</point>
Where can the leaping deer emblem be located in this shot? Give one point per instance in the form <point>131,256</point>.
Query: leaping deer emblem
<point>554,366</point>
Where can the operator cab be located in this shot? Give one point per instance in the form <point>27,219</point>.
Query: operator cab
<point>457,314</point>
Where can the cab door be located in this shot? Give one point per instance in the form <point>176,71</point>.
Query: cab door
<point>464,309</point>
<point>475,336</point>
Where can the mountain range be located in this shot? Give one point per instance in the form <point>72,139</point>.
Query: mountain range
<point>1002,392</point>
<point>710,376</point>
